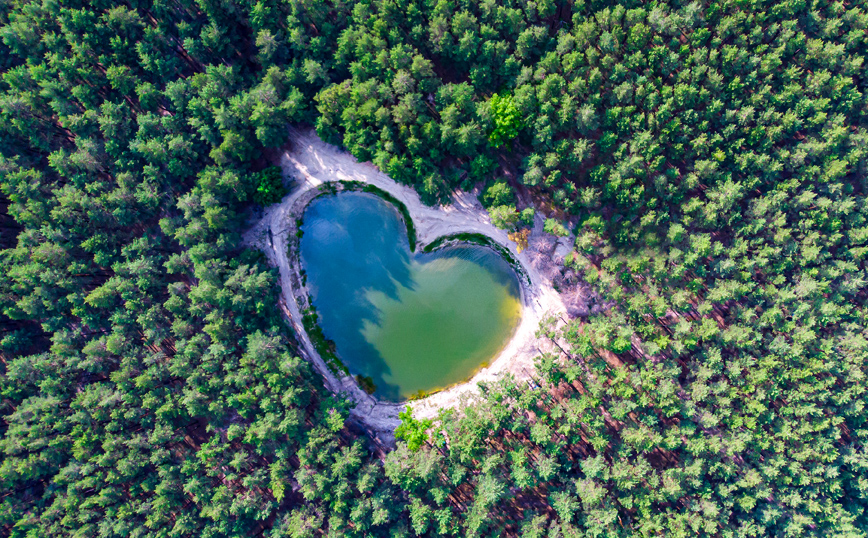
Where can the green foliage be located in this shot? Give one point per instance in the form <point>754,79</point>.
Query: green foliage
<point>526,216</point>
<point>555,227</point>
<point>713,152</point>
<point>413,431</point>
<point>504,217</point>
<point>506,118</point>
<point>499,193</point>
<point>481,167</point>
<point>269,186</point>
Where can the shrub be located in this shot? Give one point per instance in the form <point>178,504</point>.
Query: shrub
<point>269,186</point>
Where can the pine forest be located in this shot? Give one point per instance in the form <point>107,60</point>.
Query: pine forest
<point>707,161</point>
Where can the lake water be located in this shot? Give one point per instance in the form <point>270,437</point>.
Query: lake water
<point>412,322</point>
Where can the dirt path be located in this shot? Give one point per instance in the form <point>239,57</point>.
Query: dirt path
<point>313,162</point>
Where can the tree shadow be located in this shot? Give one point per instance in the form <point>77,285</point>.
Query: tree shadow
<point>499,269</point>
<point>349,247</point>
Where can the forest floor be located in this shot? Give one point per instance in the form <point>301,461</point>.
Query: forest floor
<point>312,163</point>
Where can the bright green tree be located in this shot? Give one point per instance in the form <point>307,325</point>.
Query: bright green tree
<point>413,431</point>
<point>506,118</point>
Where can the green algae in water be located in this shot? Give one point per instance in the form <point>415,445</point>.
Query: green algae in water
<point>409,322</point>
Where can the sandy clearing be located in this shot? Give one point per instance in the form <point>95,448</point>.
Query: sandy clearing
<point>313,162</point>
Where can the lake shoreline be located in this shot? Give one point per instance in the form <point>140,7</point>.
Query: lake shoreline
<point>353,240</point>
<point>305,301</point>
<point>313,164</point>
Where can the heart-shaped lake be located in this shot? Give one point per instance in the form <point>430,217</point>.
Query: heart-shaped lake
<point>411,322</point>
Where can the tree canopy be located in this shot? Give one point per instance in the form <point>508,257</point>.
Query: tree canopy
<point>710,157</point>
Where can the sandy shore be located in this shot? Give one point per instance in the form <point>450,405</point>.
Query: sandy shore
<point>313,162</point>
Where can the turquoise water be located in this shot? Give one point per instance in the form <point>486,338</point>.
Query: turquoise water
<point>412,322</point>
